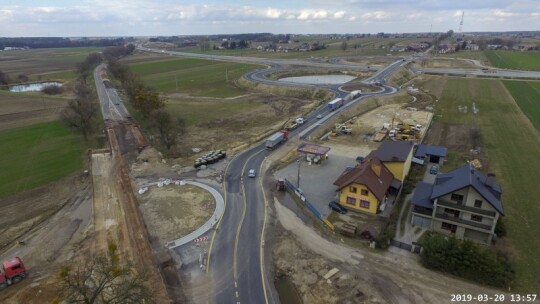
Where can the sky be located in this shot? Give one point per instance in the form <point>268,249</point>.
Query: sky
<point>76,18</point>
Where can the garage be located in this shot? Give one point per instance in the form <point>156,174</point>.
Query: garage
<point>421,221</point>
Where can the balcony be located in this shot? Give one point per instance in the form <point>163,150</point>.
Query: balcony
<point>461,221</point>
<point>466,208</point>
<point>422,210</point>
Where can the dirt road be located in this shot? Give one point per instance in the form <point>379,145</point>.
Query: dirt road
<point>366,275</point>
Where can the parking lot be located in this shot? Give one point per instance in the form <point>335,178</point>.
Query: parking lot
<point>317,180</point>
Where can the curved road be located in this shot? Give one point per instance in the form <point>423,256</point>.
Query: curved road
<point>236,255</point>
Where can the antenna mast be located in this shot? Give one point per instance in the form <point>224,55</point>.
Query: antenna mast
<point>461,23</point>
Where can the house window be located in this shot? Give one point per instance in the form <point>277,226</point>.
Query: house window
<point>478,204</point>
<point>451,212</point>
<point>476,218</point>
<point>351,201</point>
<point>449,227</point>
<point>352,189</point>
<point>364,204</point>
<point>364,192</point>
<point>457,198</point>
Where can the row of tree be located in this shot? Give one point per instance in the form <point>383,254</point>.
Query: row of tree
<point>58,42</point>
<point>148,102</point>
<point>468,260</point>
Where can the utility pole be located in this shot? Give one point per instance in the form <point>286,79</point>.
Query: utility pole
<point>298,177</point>
<point>226,75</point>
<point>176,77</point>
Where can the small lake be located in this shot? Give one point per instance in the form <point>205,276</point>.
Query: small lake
<point>33,87</point>
<point>319,79</point>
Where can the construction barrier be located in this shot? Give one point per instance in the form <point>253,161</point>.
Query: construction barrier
<point>310,206</point>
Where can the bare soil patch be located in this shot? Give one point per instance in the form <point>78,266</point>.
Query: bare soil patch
<point>444,63</point>
<point>366,125</point>
<point>365,275</point>
<point>361,86</point>
<point>174,211</point>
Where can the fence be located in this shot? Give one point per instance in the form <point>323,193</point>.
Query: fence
<point>308,204</point>
<point>414,247</point>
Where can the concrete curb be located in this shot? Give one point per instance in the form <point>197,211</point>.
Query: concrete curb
<point>218,212</point>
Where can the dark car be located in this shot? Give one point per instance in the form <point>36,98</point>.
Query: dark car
<point>434,170</point>
<point>337,207</point>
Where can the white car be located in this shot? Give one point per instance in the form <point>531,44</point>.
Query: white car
<point>319,116</point>
<point>251,173</point>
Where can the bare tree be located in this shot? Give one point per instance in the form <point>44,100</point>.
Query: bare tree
<point>4,78</point>
<point>344,45</point>
<point>80,115</point>
<point>104,279</point>
<point>168,129</point>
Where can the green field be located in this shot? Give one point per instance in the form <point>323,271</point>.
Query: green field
<point>477,55</point>
<point>529,60</point>
<point>513,148</point>
<point>195,77</point>
<point>36,155</point>
<point>527,96</point>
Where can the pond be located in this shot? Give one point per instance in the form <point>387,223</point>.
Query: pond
<point>319,79</point>
<point>33,87</point>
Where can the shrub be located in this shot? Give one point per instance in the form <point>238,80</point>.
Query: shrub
<point>500,228</point>
<point>52,90</point>
<point>467,259</point>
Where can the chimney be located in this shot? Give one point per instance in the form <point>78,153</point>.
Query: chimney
<point>490,179</point>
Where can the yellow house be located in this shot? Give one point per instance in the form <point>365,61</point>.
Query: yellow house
<point>396,157</point>
<point>364,187</point>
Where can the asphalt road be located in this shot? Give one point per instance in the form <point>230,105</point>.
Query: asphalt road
<point>236,259</point>
<point>501,73</point>
<point>111,105</point>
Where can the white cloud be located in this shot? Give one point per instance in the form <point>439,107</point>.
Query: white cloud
<point>166,17</point>
<point>503,13</point>
<point>339,15</point>
<point>379,15</point>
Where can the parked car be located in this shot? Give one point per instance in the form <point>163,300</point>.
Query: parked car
<point>251,173</point>
<point>337,207</point>
<point>434,170</point>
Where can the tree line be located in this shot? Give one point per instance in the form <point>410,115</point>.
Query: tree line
<point>59,42</point>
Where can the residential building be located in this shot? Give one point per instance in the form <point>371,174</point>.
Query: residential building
<point>463,203</point>
<point>364,187</point>
<point>396,157</point>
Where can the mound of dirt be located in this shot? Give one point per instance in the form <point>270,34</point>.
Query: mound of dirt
<point>149,163</point>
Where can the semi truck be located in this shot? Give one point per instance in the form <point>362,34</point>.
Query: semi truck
<point>276,139</point>
<point>335,104</point>
<point>12,271</point>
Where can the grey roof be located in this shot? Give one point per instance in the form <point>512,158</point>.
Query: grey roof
<point>424,150</point>
<point>422,195</point>
<point>393,151</point>
<point>466,176</point>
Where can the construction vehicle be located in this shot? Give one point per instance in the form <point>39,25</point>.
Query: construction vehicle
<point>291,126</point>
<point>12,271</point>
<point>342,128</point>
<point>276,139</point>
